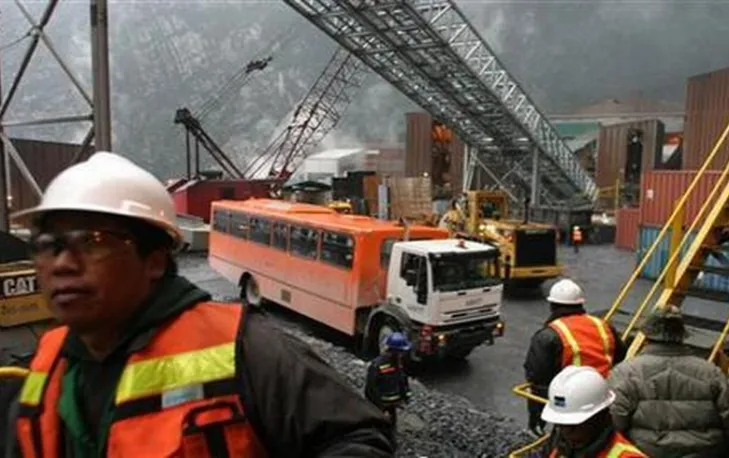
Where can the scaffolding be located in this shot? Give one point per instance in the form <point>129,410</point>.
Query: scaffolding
<point>98,100</point>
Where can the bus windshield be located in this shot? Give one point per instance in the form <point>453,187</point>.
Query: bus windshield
<point>454,272</point>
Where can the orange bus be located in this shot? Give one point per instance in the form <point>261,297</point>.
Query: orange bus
<point>328,266</point>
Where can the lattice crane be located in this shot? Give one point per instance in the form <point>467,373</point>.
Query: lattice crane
<point>430,52</point>
<point>316,115</point>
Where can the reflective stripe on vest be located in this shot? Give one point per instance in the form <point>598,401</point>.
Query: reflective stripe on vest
<point>182,386</point>
<point>586,341</point>
<point>619,449</point>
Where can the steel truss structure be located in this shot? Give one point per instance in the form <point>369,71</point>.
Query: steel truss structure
<point>317,114</point>
<point>98,102</point>
<point>431,53</point>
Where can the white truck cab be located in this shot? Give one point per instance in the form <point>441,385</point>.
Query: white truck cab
<point>451,293</point>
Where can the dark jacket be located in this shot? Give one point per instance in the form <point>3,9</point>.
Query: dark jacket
<point>380,384</point>
<point>544,357</point>
<point>297,404</point>
<point>671,403</point>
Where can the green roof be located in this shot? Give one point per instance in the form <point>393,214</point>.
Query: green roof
<point>574,129</point>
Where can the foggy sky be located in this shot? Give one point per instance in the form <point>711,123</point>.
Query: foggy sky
<point>567,54</point>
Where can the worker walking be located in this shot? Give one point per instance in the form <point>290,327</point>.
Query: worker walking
<point>387,384</point>
<point>578,406</point>
<point>576,237</point>
<point>145,363</point>
<point>569,337</point>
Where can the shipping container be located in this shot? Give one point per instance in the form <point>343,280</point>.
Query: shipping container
<point>661,190</point>
<point>626,232</point>
<point>659,259</point>
<point>613,149</point>
<point>419,150</point>
<point>707,114</point>
<point>195,197</point>
<point>45,160</point>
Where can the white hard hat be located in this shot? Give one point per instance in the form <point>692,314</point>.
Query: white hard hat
<point>575,395</point>
<point>111,184</point>
<point>566,292</point>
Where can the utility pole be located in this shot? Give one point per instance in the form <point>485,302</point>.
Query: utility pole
<point>4,183</point>
<point>100,68</point>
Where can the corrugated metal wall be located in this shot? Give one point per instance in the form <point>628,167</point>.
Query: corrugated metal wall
<point>626,232</point>
<point>613,145</point>
<point>661,189</point>
<point>658,260</point>
<point>419,150</point>
<point>707,114</point>
<point>45,160</point>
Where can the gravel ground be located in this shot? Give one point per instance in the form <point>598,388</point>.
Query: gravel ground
<point>434,424</point>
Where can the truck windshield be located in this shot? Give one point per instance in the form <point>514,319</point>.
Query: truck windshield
<point>465,271</point>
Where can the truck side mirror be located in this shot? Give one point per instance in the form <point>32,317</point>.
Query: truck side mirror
<point>410,277</point>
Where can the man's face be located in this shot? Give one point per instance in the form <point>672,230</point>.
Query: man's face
<point>577,435</point>
<point>90,271</point>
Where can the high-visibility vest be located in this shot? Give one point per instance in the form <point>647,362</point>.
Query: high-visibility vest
<point>619,447</point>
<point>586,341</point>
<point>177,397</point>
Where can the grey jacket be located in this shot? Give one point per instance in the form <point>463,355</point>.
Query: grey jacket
<point>672,404</point>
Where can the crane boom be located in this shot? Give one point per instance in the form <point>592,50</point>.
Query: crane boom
<point>316,115</point>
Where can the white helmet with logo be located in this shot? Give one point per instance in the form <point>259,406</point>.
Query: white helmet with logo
<point>575,395</point>
<point>566,292</point>
<point>111,184</point>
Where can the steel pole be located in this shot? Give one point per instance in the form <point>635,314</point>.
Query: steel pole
<point>4,185</point>
<point>100,67</point>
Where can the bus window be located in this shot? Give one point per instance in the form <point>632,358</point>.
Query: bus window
<point>239,225</point>
<point>280,236</point>
<point>304,242</point>
<point>337,249</point>
<point>260,231</point>
<point>221,218</point>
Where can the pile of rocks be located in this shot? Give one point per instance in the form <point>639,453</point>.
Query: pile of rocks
<point>434,424</point>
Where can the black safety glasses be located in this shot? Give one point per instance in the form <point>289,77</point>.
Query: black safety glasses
<point>89,245</point>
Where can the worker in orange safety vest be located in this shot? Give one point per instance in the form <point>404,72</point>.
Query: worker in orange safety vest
<point>145,364</point>
<point>569,337</point>
<point>576,238</point>
<point>578,406</point>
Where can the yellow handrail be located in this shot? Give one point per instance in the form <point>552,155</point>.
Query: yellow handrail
<point>678,208</point>
<point>524,390</point>
<point>13,372</point>
<point>527,450</point>
<point>708,202</point>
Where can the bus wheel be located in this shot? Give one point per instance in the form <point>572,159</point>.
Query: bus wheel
<point>250,292</point>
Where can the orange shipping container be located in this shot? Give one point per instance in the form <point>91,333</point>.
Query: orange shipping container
<point>626,233</point>
<point>661,190</point>
<point>707,113</point>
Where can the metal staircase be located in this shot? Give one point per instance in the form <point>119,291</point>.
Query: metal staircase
<point>688,258</point>
<point>430,52</point>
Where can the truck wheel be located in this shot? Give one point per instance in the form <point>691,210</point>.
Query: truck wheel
<point>387,327</point>
<point>250,292</point>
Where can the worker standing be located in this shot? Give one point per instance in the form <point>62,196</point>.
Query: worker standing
<point>669,401</point>
<point>145,364</point>
<point>569,337</point>
<point>576,238</point>
<point>578,406</point>
<point>387,384</point>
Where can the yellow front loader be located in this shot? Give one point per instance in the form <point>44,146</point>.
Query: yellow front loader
<point>528,250</point>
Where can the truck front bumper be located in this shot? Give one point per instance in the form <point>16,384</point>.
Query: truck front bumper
<point>440,341</point>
